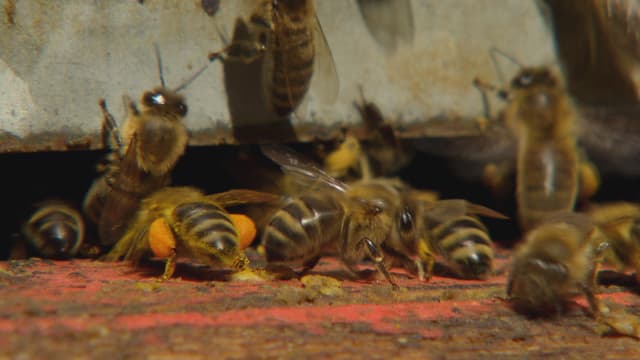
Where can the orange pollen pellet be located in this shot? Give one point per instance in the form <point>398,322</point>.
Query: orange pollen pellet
<point>161,239</point>
<point>246,229</point>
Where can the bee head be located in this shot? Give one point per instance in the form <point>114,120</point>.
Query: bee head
<point>406,225</point>
<point>530,77</point>
<point>164,101</point>
<point>291,5</point>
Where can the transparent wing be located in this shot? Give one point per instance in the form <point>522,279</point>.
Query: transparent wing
<point>302,170</point>
<point>596,44</point>
<point>467,146</point>
<point>622,20</point>
<point>388,21</point>
<point>443,210</point>
<point>611,137</point>
<point>242,196</point>
<point>324,83</point>
<point>132,246</point>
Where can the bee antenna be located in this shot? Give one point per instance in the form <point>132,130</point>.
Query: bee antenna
<point>495,51</point>
<point>159,61</point>
<point>193,77</point>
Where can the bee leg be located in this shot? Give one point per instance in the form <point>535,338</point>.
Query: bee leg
<point>308,265</point>
<point>169,267</point>
<point>242,51</point>
<point>375,254</point>
<point>110,135</point>
<point>588,289</point>
<point>427,260</point>
<point>365,167</point>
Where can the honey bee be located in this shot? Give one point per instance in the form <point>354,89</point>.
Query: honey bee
<point>144,153</point>
<point>620,223</point>
<point>599,49</point>
<point>428,227</point>
<point>287,36</point>
<point>55,231</point>
<point>544,121</point>
<point>182,221</point>
<point>380,155</point>
<point>347,156</point>
<point>326,217</point>
<point>540,125</point>
<point>390,22</point>
<point>557,261</point>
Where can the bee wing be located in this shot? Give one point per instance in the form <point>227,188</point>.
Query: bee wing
<point>445,209</point>
<point>132,246</point>
<point>388,21</point>
<point>598,48</point>
<point>469,146</point>
<point>303,171</point>
<point>611,136</point>
<point>580,221</point>
<point>622,19</point>
<point>324,84</point>
<point>241,196</point>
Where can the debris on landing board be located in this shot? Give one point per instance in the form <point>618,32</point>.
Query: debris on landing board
<point>84,307</point>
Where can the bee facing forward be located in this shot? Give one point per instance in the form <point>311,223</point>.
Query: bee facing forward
<point>550,170</point>
<point>54,231</point>
<point>547,164</point>
<point>557,261</point>
<point>428,227</point>
<point>182,221</point>
<point>152,140</point>
<point>288,34</point>
<point>324,218</point>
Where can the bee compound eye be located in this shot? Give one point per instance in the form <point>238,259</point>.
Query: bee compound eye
<point>406,221</point>
<point>147,98</point>
<point>182,109</point>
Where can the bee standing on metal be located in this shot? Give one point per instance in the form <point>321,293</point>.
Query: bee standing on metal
<point>54,231</point>
<point>326,217</point>
<point>287,35</point>
<point>152,140</point>
<point>182,221</point>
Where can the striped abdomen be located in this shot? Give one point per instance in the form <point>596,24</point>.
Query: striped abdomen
<point>55,231</point>
<point>465,244</point>
<point>302,228</point>
<point>207,232</point>
<point>289,72</point>
<point>547,179</point>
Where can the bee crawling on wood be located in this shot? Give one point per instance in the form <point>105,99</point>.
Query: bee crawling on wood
<point>620,223</point>
<point>326,217</point>
<point>558,261</point>
<point>182,221</point>
<point>427,227</point>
